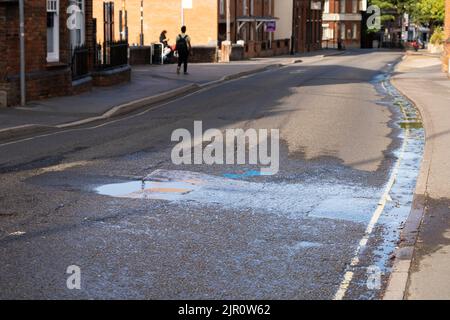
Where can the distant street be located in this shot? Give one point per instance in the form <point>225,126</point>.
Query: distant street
<point>324,227</point>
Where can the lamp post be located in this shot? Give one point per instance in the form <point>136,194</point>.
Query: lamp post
<point>22,51</point>
<point>228,13</point>
<point>447,37</point>
<point>141,38</point>
<point>183,3</point>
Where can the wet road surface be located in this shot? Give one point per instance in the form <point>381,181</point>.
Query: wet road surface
<point>324,227</point>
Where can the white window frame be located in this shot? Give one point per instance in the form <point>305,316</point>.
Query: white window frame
<point>355,31</point>
<point>343,31</point>
<point>53,7</point>
<point>326,6</point>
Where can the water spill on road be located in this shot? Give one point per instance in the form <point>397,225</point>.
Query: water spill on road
<point>410,156</point>
<point>293,200</point>
<point>332,199</point>
<point>148,189</point>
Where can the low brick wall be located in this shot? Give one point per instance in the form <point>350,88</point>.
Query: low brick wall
<point>237,53</point>
<point>140,55</point>
<point>10,93</point>
<point>281,47</point>
<point>82,85</point>
<point>255,49</point>
<point>111,77</point>
<point>204,54</point>
<point>54,82</point>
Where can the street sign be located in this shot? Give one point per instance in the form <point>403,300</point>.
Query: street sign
<point>271,26</point>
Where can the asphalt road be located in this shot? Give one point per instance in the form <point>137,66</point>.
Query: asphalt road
<point>294,235</point>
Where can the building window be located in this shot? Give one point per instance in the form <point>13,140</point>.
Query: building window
<point>343,6</point>
<point>326,6</point>
<point>354,6</point>
<point>328,33</point>
<point>342,26</point>
<point>52,30</point>
<point>355,31</point>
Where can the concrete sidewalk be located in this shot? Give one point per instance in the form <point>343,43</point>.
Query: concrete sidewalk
<point>149,84</point>
<point>423,271</point>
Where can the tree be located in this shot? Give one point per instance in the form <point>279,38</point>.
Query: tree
<point>430,12</point>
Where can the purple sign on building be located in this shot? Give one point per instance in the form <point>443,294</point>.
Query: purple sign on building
<point>271,26</point>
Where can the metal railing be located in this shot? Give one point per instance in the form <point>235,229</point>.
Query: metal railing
<point>80,62</point>
<point>111,54</point>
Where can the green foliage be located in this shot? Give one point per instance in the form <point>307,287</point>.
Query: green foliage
<point>438,36</point>
<point>430,11</point>
<point>421,11</point>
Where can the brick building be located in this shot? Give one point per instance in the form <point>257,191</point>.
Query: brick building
<point>247,19</point>
<point>255,22</point>
<point>49,46</point>
<point>265,26</point>
<point>342,20</point>
<point>307,25</point>
<point>157,16</point>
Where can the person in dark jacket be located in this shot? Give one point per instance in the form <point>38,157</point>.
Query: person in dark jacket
<point>183,48</point>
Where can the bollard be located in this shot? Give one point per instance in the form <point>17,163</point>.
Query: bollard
<point>225,51</point>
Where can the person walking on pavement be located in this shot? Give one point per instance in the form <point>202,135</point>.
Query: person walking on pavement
<point>183,48</point>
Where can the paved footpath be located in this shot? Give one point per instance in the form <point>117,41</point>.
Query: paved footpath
<point>149,84</point>
<point>427,276</point>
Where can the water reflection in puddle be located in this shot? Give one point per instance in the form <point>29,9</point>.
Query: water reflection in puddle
<point>163,190</point>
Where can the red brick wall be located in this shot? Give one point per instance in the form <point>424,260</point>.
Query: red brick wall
<point>3,46</point>
<point>349,42</point>
<point>111,77</point>
<point>307,35</point>
<point>43,79</point>
<point>261,8</point>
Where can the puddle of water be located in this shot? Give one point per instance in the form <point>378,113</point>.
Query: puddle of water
<point>163,190</point>
<point>291,200</point>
